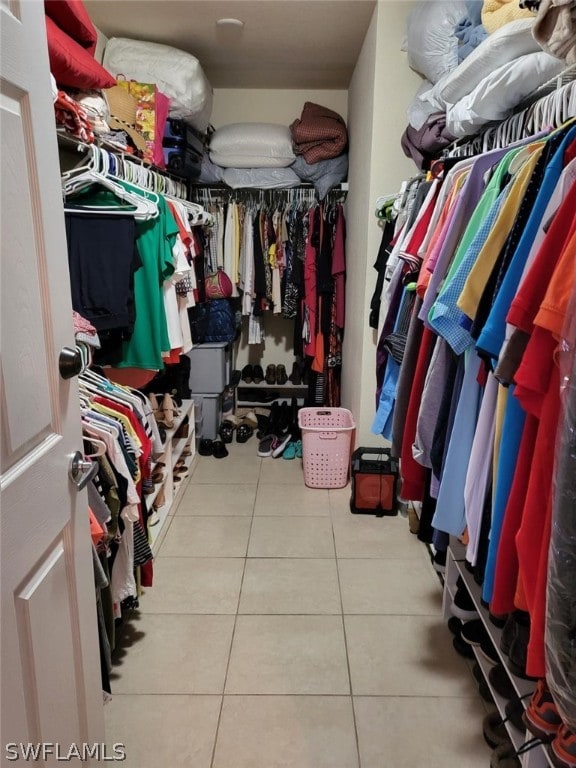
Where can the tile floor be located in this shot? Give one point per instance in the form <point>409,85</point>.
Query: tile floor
<point>284,632</point>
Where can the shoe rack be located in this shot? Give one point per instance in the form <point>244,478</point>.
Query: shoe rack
<point>167,489</point>
<point>537,757</point>
<point>282,392</point>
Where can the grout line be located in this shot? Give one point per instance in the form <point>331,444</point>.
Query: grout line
<point>235,622</point>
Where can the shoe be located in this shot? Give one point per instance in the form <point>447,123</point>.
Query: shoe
<point>219,450</point>
<point>439,561</point>
<point>541,716</point>
<point>473,632</point>
<point>296,374</point>
<point>244,433</point>
<point>184,428</point>
<point>508,633</point>
<point>159,501</point>
<point>281,376</point>
<point>250,419</point>
<point>462,648</point>
<point>248,374</point>
<point>258,374</point>
<point>500,681</point>
<point>226,432</point>
<point>206,447</point>
<point>488,650</point>
<point>477,672</point>
<point>518,653</point>
<point>485,692</point>
<point>168,411</point>
<point>271,374</point>
<point>514,711</point>
<point>279,445</point>
<point>298,449</point>
<point>265,446</point>
<point>562,750</point>
<point>494,730</point>
<point>498,621</point>
<point>153,518</point>
<point>463,606</point>
<point>505,756</point>
<point>454,625</point>
<point>290,451</point>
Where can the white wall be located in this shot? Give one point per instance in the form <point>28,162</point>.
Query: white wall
<point>239,105</point>
<point>380,91</point>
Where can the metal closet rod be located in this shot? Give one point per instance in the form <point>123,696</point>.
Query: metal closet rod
<point>304,192</point>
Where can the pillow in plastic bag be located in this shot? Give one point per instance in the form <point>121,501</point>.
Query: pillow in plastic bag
<point>431,41</point>
<point>265,178</point>
<point>252,145</point>
<point>325,174</point>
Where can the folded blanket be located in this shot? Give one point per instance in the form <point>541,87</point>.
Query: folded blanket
<point>425,144</point>
<point>325,174</point>
<point>319,133</point>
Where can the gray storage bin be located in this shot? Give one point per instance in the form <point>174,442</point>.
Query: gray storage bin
<point>210,367</point>
<point>210,407</point>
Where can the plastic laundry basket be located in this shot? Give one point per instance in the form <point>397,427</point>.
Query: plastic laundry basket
<point>326,437</point>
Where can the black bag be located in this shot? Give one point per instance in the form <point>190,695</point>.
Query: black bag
<point>214,321</point>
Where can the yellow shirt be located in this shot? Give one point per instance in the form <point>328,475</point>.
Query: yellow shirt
<point>480,273</point>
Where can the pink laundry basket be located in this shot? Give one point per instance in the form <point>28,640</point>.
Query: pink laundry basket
<point>326,439</point>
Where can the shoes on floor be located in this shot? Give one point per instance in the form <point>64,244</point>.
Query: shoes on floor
<point>243,433</point>
<point>219,450</point>
<point>541,716</point>
<point>226,431</point>
<point>279,444</point>
<point>206,447</point>
<point>265,446</point>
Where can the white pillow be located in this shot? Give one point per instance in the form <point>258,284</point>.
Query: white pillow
<point>252,145</point>
<point>506,44</point>
<point>430,40</point>
<point>497,95</point>
<point>420,108</point>
<point>176,73</point>
<point>265,178</point>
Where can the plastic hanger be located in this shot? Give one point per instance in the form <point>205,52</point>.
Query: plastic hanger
<point>99,445</point>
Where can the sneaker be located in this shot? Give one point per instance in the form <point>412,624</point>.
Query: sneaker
<point>494,730</point>
<point>454,625</point>
<point>290,451</point>
<point>488,650</point>
<point>462,648</point>
<point>265,446</point>
<point>279,445</point>
<point>562,750</point>
<point>439,561</point>
<point>473,632</point>
<point>541,716</point>
<point>504,756</point>
<point>514,711</point>
<point>463,606</point>
<point>500,681</point>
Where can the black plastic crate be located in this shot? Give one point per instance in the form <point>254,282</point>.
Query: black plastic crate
<point>374,481</point>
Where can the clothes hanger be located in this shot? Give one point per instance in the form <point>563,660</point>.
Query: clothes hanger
<point>100,446</point>
<point>140,209</point>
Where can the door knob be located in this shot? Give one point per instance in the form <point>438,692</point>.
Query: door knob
<point>82,470</point>
<point>70,362</point>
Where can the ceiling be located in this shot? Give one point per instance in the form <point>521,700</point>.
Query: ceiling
<point>283,44</point>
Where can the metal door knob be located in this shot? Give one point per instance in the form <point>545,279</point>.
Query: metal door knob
<point>70,362</point>
<point>82,470</point>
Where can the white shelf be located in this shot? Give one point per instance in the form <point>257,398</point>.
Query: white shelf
<point>173,448</point>
<point>455,567</point>
<point>264,385</point>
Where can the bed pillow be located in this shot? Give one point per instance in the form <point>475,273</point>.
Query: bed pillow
<point>176,73</point>
<point>73,65</point>
<point>505,45</point>
<point>431,42</point>
<point>498,94</point>
<point>252,145</point>
<point>73,18</point>
<point>265,178</point>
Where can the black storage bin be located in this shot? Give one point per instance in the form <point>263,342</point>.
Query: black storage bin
<point>374,480</point>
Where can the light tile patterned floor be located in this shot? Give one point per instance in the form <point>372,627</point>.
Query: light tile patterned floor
<point>284,632</point>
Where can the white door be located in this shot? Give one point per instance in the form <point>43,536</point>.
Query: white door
<point>51,687</point>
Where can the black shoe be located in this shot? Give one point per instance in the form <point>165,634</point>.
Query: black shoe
<point>485,692</point>
<point>462,648</point>
<point>248,374</point>
<point>494,730</point>
<point>488,650</point>
<point>477,672</point>
<point>500,681</point>
<point>518,653</point>
<point>463,606</point>
<point>439,561</point>
<point>296,374</point>
<point>258,374</point>
<point>206,447</point>
<point>455,625</point>
<point>281,376</point>
<point>473,632</point>
<point>514,710</point>
<point>508,633</point>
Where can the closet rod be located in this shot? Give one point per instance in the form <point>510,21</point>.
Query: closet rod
<point>221,193</point>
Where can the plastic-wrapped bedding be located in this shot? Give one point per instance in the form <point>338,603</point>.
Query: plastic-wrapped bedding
<point>431,41</point>
<point>252,145</point>
<point>560,633</point>
<point>263,178</point>
<point>496,96</point>
<point>324,174</point>
<point>176,73</point>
